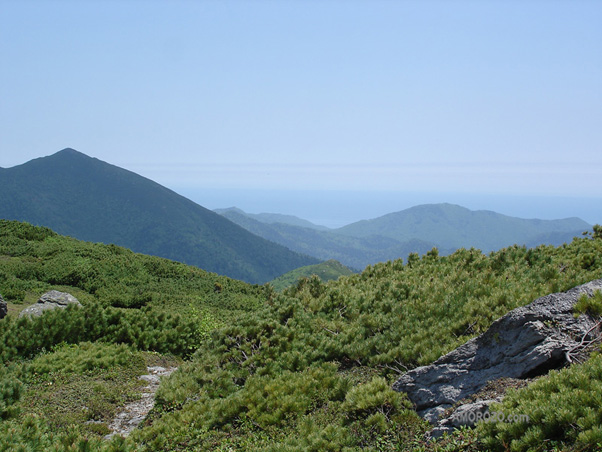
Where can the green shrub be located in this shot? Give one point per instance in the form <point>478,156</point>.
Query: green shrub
<point>144,329</point>
<point>81,358</point>
<point>562,408</point>
<point>11,389</point>
<point>32,433</point>
<point>590,305</point>
<point>375,401</point>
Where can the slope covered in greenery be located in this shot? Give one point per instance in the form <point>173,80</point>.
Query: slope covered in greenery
<point>92,200</point>
<point>64,375</point>
<point>34,260</point>
<point>326,271</point>
<point>312,368</point>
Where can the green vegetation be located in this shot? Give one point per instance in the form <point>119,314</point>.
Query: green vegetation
<point>326,271</point>
<point>589,305</point>
<point>370,327</point>
<point>34,260</point>
<point>564,411</point>
<point>72,393</point>
<point>93,200</point>
<point>308,369</point>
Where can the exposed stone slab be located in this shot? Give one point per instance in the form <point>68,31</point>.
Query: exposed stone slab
<point>526,342</point>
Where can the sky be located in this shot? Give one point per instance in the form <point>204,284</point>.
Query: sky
<point>334,111</point>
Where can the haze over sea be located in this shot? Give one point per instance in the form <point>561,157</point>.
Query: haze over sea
<point>336,208</point>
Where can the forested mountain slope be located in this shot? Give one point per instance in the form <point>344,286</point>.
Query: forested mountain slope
<point>354,252</point>
<point>393,236</point>
<point>92,200</point>
<point>451,227</point>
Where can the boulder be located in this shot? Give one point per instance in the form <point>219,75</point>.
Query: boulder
<point>50,300</point>
<point>526,342</point>
<point>3,308</point>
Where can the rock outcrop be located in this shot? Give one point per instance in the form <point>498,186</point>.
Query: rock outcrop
<point>3,308</point>
<point>134,413</point>
<point>50,300</point>
<point>526,342</point>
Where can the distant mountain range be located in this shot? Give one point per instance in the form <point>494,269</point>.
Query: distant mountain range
<point>418,229</point>
<point>274,218</point>
<point>354,252</point>
<point>91,200</point>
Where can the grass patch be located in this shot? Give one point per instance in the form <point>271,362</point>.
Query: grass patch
<point>81,385</point>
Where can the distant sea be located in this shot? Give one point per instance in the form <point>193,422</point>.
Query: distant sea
<point>334,208</point>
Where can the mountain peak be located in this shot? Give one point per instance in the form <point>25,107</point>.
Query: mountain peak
<point>70,152</point>
<point>92,200</point>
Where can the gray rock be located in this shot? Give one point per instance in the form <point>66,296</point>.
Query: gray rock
<point>3,308</point>
<point>50,300</point>
<point>465,415</point>
<point>526,342</point>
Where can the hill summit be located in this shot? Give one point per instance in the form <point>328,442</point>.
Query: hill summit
<point>92,200</point>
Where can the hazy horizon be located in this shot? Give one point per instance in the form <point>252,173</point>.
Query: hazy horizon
<point>339,208</point>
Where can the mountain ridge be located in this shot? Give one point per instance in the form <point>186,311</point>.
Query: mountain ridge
<point>354,252</point>
<point>273,218</point>
<point>454,226</point>
<point>414,230</point>
<point>92,200</point>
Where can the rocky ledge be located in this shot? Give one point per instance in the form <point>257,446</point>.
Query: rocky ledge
<point>527,342</point>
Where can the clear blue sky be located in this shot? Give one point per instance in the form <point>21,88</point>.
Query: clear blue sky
<point>222,100</point>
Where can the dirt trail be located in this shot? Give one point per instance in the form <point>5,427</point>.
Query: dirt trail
<point>135,412</point>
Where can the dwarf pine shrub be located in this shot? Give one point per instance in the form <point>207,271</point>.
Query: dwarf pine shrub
<point>143,329</point>
<point>11,389</point>
<point>32,433</point>
<point>81,358</point>
<point>562,408</point>
<point>590,305</point>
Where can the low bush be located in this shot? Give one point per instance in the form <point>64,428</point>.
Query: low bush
<point>11,389</point>
<point>145,329</point>
<point>562,410</point>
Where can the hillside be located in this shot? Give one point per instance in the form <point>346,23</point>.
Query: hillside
<point>326,271</point>
<point>313,370</point>
<point>86,198</point>
<point>34,260</point>
<point>452,227</point>
<point>310,369</point>
<point>354,252</point>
